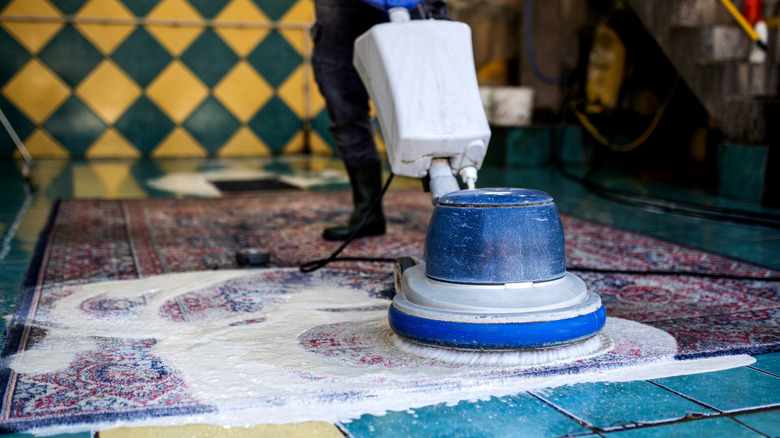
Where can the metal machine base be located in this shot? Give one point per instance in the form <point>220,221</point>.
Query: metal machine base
<point>494,317</point>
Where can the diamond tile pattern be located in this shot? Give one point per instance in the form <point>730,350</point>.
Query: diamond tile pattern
<point>36,91</point>
<point>105,37</point>
<point>33,37</point>
<point>243,91</point>
<point>71,56</point>
<point>108,91</point>
<point>285,59</point>
<point>75,126</point>
<point>177,91</point>
<point>179,144</point>
<point>211,124</point>
<point>14,57</point>
<point>209,8</point>
<point>144,125</point>
<point>142,57</point>
<point>275,124</point>
<point>242,40</point>
<point>187,77</point>
<point>209,57</point>
<point>140,7</point>
<point>275,9</point>
<point>69,6</point>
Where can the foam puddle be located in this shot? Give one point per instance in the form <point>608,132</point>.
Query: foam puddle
<point>277,346</point>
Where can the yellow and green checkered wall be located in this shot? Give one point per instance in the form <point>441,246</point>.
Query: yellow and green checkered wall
<point>160,78</point>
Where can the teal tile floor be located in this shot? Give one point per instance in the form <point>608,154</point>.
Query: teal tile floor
<point>734,403</point>
<point>617,405</point>
<point>522,415</point>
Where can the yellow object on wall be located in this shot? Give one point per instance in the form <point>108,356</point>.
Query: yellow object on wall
<point>605,71</point>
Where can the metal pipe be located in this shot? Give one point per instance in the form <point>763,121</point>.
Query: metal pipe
<point>17,141</point>
<point>144,21</point>
<point>744,24</point>
<point>442,179</point>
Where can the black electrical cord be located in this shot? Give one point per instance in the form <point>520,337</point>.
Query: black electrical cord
<point>673,274</point>
<point>656,205</point>
<point>321,263</point>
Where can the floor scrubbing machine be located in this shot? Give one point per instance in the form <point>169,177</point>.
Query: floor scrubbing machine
<point>493,276</point>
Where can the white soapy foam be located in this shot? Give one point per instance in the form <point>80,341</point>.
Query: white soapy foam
<point>52,354</point>
<point>590,347</point>
<point>263,372</point>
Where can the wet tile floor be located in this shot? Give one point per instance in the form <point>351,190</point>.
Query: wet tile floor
<point>732,403</point>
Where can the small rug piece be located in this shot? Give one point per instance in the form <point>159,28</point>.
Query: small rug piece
<point>205,183</point>
<point>252,185</point>
<point>723,306</point>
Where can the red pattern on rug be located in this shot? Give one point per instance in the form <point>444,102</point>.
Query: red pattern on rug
<point>101,240</point>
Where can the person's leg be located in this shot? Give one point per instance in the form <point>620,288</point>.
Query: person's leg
<point>431,10</point>
<point>339,23</point>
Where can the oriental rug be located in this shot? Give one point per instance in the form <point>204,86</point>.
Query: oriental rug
<point>101,335</point>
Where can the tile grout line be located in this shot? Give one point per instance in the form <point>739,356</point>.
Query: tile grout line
<point>721,414</point>
<point>582,423</point>
<point>745,425</point>
<point>601,432</point>
<point>689,399</point>
<point>752,367</point>
<point>342,430</point>
<point>687,418</point>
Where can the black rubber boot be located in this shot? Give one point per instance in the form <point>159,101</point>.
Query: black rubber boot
<point>366,184</point>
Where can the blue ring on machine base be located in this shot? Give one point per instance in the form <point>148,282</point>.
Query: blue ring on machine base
<point>496,336</point>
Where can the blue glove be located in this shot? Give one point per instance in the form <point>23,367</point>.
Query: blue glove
<point>386,5</point>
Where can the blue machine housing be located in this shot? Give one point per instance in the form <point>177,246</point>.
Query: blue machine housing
<point>495,236</point>
<point>386,5</point>
<point>496,336</point>
<point>494,277</point>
